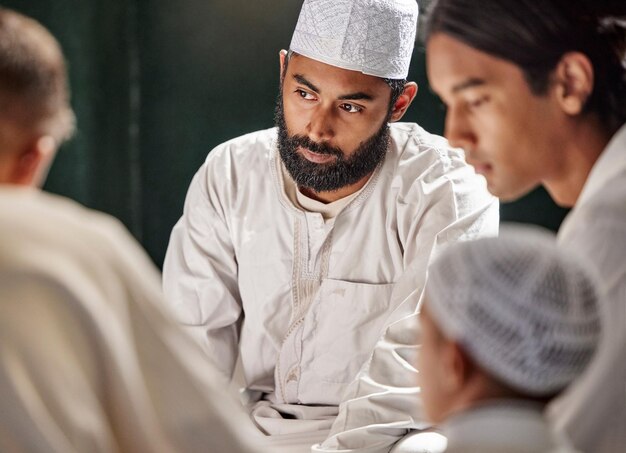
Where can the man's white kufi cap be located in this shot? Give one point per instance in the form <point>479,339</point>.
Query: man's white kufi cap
<point>522,309</point>
<point>375,37</point>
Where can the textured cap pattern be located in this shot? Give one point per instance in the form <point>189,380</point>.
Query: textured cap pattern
<point>375,37</point>
<point>524,310</point>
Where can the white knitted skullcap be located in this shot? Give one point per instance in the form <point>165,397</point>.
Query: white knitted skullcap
<point>523,310</point>
<point>375,37</point>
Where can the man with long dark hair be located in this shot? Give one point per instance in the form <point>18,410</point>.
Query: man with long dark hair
<point>536,94</point>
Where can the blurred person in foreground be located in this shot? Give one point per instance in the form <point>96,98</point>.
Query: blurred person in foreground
<point>536,94</point>
<point>519,322</point>
<point>88,361</point>
<point>293,240</point>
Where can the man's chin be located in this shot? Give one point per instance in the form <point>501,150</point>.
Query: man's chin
<point>508,193</point>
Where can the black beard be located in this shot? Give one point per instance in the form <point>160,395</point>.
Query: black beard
<point>334,175</point>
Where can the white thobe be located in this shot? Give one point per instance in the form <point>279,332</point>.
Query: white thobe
<point>88,360</point>
<point>593,411</point>
<point>242,253</point>
<point>500,426</point>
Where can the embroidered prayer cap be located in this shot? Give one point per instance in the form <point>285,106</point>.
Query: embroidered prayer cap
<point>525,311</point>
<point>375,37</point>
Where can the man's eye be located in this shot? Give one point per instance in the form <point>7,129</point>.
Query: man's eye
<point>475,103</point>
<point>351,108</point>
<point>305,95</point>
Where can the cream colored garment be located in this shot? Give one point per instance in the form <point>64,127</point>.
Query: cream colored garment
<point>593,411</point>
<point>307,288</point>
<point>382,404</point>
<point>88,361</point>
<point>242,246</point>
<point>497,427</point>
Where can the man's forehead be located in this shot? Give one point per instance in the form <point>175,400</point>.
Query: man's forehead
<point>325,76</point>
<point>454,67</point>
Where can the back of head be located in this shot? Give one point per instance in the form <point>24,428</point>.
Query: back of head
<point>523,310</point>
<point>34,94</point>
<point>534,35</point>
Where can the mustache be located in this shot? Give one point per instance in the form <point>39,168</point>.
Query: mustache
<point>302,141</point>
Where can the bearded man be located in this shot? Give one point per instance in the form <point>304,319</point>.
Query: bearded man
<point>293,238</point>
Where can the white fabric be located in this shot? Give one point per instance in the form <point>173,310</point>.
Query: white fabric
<point>89,362</point>
<point>504,426</point>
<point>242,247</point>
<point>375,37</point>
<point>593,411</point>
<point>524,310</point>
<point>382,404</point>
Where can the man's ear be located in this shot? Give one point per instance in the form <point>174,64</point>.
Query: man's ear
<point>31,165</point>
<point>454,364</point>
<point>574,81</point>
<point>282,56</point>
<point>404,101</point>
<point>460,368</point>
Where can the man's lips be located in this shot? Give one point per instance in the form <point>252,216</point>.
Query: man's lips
<point>316,157</point>
<point>482,168</point>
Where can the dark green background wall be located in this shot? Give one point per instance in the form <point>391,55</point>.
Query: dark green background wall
<point>156,84</point>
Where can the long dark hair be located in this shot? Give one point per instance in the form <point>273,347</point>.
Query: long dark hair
<point>534,35</point>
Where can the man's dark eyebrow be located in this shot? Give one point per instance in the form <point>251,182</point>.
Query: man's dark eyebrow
<point>358,96</point>
<point>469,83</point>
<point>300,79</point>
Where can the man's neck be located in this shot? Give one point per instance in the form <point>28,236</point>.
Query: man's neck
<point>581,148</point>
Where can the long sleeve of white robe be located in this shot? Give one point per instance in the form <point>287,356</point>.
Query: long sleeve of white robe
<point>88,360</point>
<point>207,300</point>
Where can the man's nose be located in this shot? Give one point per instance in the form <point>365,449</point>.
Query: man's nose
<point>320,128</point>
<point>458,130</point>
